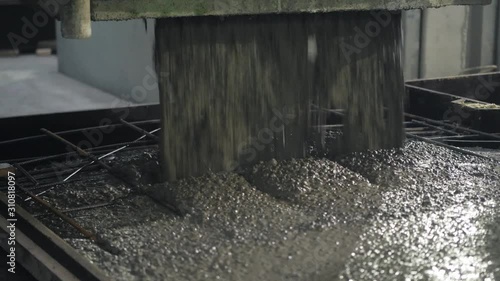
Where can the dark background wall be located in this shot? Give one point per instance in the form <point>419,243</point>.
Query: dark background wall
<point>11,22</point>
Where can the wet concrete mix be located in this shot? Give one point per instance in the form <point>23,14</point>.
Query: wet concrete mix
<point>420,212</point>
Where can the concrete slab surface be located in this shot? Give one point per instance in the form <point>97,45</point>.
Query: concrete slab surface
<point>31,85</point>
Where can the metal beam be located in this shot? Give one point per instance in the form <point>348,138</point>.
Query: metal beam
<point>103,10</point>
<point>75,19</point>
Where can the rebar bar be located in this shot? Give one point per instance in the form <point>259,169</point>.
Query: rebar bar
<point>110,153</point>
<point>454,148</point>
<point>25,173</point>
<point>140,130</point>
<point>80,151</point>
<point>88,234</point>
<point>453,126</point>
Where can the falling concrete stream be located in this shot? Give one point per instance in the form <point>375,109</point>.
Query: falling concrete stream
<point>238,90</point>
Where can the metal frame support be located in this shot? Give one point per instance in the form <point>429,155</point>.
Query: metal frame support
<point>75,19</point>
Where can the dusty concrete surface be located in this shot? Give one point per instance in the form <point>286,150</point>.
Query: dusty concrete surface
<point>418,213</point>
<point>32,85</point>
<point>132,9</point>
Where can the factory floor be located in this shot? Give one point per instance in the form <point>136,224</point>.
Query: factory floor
<point>31,84</point>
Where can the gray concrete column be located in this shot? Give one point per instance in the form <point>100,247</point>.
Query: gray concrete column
<point>75,19</point>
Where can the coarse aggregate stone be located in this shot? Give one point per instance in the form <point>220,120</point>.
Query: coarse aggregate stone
<point>421,212</point>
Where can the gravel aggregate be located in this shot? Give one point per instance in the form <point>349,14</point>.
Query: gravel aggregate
<point>421,212</point>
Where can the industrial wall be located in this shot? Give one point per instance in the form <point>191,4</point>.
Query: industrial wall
<point>445,41</point>
<point>438,42</point>
<point>118,59</point>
